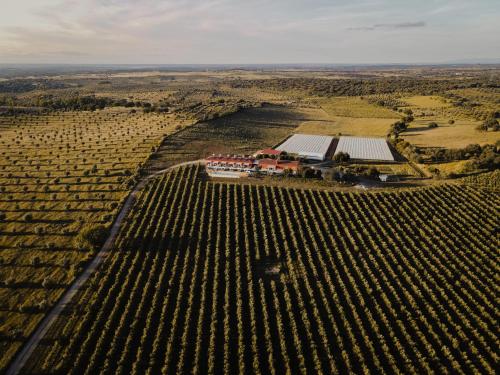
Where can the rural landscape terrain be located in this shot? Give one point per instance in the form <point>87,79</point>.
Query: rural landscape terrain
<point>127,247</point>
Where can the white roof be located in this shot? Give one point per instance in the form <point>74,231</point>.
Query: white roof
<point>312,146</point>
<point>365,148</point>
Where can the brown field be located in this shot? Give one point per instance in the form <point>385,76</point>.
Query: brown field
<point>355,107</point>
<point>241,133</point>
<point>426,102</point>
<point>458,135</point>
<point>357,126</point>
<point>59,172</point>
<point>438,109</point>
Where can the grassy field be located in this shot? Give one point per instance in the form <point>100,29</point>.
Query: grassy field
<point>426,102</point>
<point>216,277</point>
<point>355,107</point>
<point>241,133</point>
<point>337,125</point>
<point>347,116</point>
<point>460,133</point>
<point>445,169</point>
<point>58,173</point>
<point>457,135</point>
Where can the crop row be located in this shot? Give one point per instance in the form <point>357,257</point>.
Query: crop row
<point>214,277</point>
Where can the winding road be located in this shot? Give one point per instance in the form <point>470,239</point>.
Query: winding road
<point>47,322</point>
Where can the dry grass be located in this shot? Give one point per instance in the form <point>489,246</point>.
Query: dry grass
<point>241,133</point>
<point>429,102</point>
<point>357,126</point>
<point>436,109</point>
<point>445,169</point>
<point>355,107</point>
<point>347,116</point>
<point>457,135</point>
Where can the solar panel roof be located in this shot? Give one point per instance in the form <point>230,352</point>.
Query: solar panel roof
<point>365,148</point>
<point>313,146</point>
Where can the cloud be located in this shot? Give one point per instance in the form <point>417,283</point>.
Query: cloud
<point>239,31</point>
<point>390,26</point>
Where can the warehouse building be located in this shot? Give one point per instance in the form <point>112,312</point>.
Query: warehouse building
<point>362,148</point>
<point>313,147</point>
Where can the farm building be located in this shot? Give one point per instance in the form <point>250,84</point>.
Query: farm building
<point>274,166</point>
<point>242,166</point>
<point>314,147</point>
<point>365,148</point>
<point>230,166</point>
<point>269,151</point>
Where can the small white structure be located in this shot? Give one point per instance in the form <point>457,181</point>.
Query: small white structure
<point>388,178</point>
<point>314,147</point>
<point>365,148</point>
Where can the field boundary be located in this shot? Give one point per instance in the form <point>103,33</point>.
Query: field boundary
<point>46,323</point>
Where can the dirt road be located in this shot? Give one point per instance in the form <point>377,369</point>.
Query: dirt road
<point>30,346</point>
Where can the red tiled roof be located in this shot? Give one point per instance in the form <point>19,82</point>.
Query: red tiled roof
<point>268,162</point>
<point>270,151</point>
<point>279,164</point>
<point>230,159</point>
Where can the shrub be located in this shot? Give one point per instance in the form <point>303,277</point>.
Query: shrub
<point>372,172</point>
<point>432,125</point>
<point>341,157</point>
<point>490,123</point>
<point>91,237</point>
<point>3,216</point>
<point>28,217</point>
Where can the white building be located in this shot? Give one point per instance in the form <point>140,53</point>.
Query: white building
<point>314,147</point>
<point>365,148</point>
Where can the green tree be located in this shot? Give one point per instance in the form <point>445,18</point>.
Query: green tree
<point>341,157</point>
<point>91,236</point>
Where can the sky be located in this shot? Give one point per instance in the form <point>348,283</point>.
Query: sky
<point>248,31</point>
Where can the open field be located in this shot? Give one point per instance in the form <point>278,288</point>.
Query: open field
<point>457,135</point>
<point>355,107</point>
<point>355,126</point>
<point>212,277</point>
<point>426,102</point>
<point>244,133</point>
<point>58,173</point>
<point>445,169</point>
<point>348,116</point>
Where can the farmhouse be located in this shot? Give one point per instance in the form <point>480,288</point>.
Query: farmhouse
<point>230,166</point>
<point>275,166</point>
<point>242,166</point>
<point>362,148</point>
<point>269,152</point>
<point>314,147</point>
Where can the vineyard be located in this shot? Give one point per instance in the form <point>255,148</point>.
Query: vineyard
<point>488,179</point>
<point>214,277</point>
